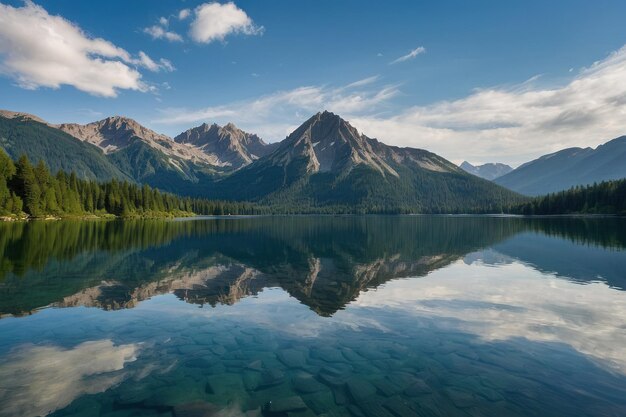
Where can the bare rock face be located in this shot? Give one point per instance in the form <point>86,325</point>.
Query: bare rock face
<point>331,144</point>
<point>115,133</point>
<point>229,145</point>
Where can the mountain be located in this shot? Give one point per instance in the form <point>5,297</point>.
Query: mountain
<point>146,156</point>
<point>327,162</point>
<point>21,133</point>
<point>567,168</point>
<point>489,171</point>
<point>324,163</point>
<point>228,145</point>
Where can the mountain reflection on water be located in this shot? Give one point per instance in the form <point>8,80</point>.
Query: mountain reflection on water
<point>324,262</point>
<point>395,316</point>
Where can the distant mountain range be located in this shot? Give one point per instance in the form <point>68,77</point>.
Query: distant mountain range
<point>325,162</point>
<point>567,168</point>
<point>489,171</point>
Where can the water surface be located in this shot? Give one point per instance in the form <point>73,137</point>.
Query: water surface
<point>305,316</point>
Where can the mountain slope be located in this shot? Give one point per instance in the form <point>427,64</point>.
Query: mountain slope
<point>327,162</point>
<point>145,155</point>
<point>567,168</point>
<point>228,145</point>
<point>25,134</point>
<point>489,171</point>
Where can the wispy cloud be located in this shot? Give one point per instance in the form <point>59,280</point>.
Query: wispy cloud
<point>517,123</point>
<point>160,32</point>
<point>415,52</point>
<point>41,50</point>
<point>274,116</point>
<point>510,124</point>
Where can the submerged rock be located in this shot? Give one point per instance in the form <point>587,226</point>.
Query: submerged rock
<point>196,409</point>
<point>386,387</point>
<point>328,355</point>
<point>271,377</point>
<point>400,408</point>
<point>417,388</point>
<point>292,358</point>
<point>282,405</point>
<point>306,383</point>
<point>359,389</point>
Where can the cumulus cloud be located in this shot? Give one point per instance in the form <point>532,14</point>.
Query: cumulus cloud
<point>415,52</point>
<point>215,21</point>
<point>275,115</point>
<point>184,14</point>
<point>40,50</point>
<point>37,380</point>
<point>160,32</point>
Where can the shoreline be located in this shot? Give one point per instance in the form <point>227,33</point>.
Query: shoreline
<point>18,219</point>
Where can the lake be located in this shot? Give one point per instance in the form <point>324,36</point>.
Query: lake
<point>314,316</point>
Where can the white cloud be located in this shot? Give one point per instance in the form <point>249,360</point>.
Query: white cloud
<point>215,21</point>
<point>40,50</point>
<point>147,62</point>
<point>511,124</point>
<point>184,14</point>
<point>415,52</point>
<point>36,380</point>
<point>276,115</point>
<point>518,123</point>
<point>159,32</point>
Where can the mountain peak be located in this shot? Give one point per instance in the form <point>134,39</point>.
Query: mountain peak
<point>331,144</point>
<point>488,171</point>
<point>229,144</point>
<point>115,133</point>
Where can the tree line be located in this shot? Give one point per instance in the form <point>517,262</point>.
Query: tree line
<point>33,190</point>
<point>607,197</point>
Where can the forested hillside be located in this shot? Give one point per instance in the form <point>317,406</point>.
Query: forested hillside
<point>34,191</point>
<point>608,197</point>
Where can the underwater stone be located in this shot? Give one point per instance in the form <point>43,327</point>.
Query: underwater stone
<point>400,408</point>
<point>292,358</point>
<point>360,389</point>
<point>341,396</point>
<point>460,398</point>
<point>319,402</point>
<point>328,355</point>
<point>196,409</point>
<point>306,384</point>
<point>270,378</point>
<point>386,387</point>
<point>418,387</point>
<point>282,405</point>
<point>255,365</point>
<point>355,411</point>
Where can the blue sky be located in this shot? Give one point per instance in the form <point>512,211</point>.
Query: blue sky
<point>488,81</point>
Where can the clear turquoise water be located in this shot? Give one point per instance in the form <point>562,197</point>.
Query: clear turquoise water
<point>305,316</point>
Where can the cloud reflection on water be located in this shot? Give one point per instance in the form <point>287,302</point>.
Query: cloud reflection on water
<point>515,301</point>
<point>36,380</point>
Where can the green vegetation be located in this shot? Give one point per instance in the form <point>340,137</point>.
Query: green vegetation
<point>364,190</point>
<point>27,190</point>
<point>59,150</point>
<point>607,197</point>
